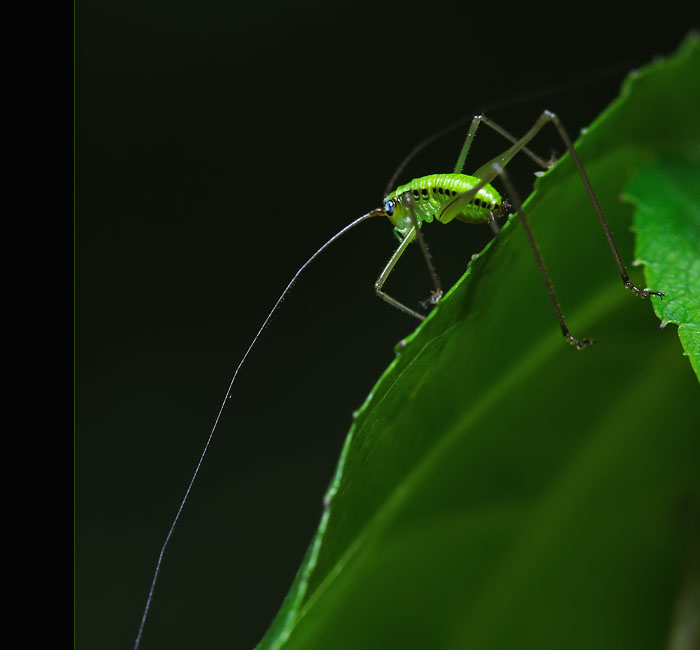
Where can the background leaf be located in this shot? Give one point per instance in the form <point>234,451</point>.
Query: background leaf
<point>499,488</point>
<point>667,222</point>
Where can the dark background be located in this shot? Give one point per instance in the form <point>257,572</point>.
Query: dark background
<point>218,145</point>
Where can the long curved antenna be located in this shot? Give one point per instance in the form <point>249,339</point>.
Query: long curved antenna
<point>338,235</point>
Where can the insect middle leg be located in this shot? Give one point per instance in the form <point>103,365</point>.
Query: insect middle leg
<point>517,204</point>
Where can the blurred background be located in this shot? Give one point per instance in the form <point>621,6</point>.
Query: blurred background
<point>218,145</point>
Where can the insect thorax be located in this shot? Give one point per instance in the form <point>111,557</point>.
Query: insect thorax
<point>431,196</point>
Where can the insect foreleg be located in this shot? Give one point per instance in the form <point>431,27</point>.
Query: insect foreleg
<point>410,236</point>
<point>414,233</point>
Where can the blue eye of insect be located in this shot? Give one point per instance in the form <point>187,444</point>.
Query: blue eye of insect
<point>389,208</point>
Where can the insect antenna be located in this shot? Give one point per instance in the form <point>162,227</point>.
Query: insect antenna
<point>161,554</point>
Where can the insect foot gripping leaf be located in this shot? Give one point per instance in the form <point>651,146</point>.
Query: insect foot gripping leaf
<point>499,489</point>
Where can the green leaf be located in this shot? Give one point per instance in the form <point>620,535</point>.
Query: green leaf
<point>499,488</point>
<point>667,222</point>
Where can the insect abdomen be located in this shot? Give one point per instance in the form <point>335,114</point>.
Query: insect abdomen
<point>431,194</point>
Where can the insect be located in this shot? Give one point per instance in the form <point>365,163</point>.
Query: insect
<point>472,199</point>
<point>442,198</point>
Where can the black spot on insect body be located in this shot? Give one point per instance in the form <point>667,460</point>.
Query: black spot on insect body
<point>424,192</point>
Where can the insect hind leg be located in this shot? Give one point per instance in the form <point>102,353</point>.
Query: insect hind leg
<point>479,119</point>
<point>488,171</point>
